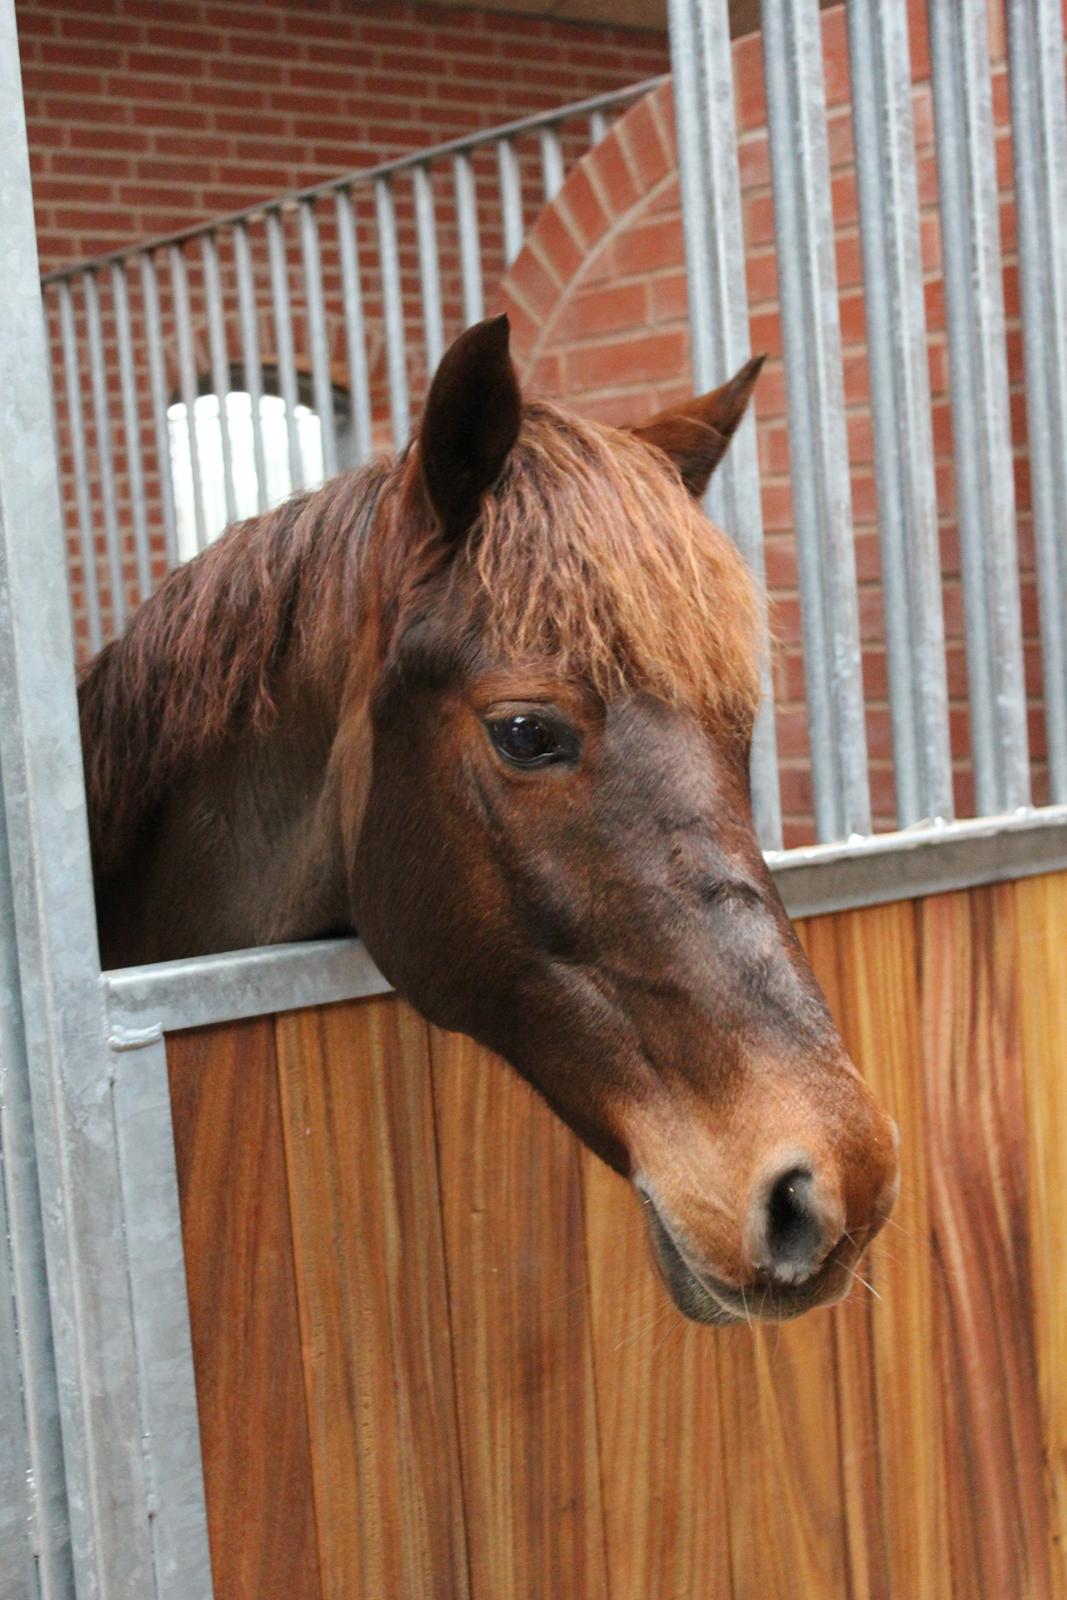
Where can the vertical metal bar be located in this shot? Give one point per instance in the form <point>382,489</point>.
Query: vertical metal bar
<point>131,423</point>
<point>598,126</point>
<point>900,403</point>
<point>355,331</point>
<point>1039,125</point>
<point>283,339</point>
<point>157,378</point>
<point>510,197</point>
<point>250,359</point>
<point>80,462</point>
<point>718,313</point>
<point>35,1555</point>
<point>811,337</point>
<point>429,274</point>
<point>220,364</point>
<point>105,463</point>
<point>55,928</point>
<point>470,261</point>
<point>393,306</point>
<point>188,380</point>
<point>317,342</point>
<point>985,486</point>
<point>551,163</point>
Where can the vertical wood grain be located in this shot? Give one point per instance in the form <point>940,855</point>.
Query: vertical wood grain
<point>661,1427</point>
<point>242,1302</point>
<point>1041,943</point>
<point>520,1323</point>
<point>977,1143</point>
<point>358,1114</point>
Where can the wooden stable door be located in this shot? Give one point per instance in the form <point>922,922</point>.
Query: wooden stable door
<point>433,1359</point>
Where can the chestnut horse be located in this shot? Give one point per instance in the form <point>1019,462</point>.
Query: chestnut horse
<point>490,703</point>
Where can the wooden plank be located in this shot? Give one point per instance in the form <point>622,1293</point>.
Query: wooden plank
<point>359,1129</point>
<point>977,1141</point>
<point>890,1395</point>
<point>661,1427</point>
<point>242,1302</point>
<point>520,1323</point>
<point>1041,938</point>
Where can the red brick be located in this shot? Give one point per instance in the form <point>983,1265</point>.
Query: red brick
<point>649,358</point>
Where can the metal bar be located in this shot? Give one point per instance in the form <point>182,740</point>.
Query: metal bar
<point>34,1524</point>
<point>429,273</point>
<point>104,1458</point>
<point>598,127</point>
<point>355,330</point>
<point>811,338</point>
<point>985,486</point>
<point>510,198</point>
<point>317,341</point>
<point>393,307</point>
<point>283,340</point>
<point>612,100</point>
<point>551,163</point>
<point>187,378</point>
<point>250,359</point>
<point>470,263</point>
<point>220,364</point>
<point>900,403</point>
<point>157,378</point>
<point>1039,126</point>
<point>120,295</point>
<point>79,458</point>
<point>718,314</point>
<point>104,460</point>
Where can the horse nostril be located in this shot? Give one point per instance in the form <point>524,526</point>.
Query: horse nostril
<point>794,1229</point>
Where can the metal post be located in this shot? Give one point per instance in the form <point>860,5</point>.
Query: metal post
<point>319,349</point>
<point>551,164</point>
<point>1039,126</point>
<point>250,360</point>
<point>393,306</point>
<point>718,312</point>
<point>120,295</point>
<point>108,1456</point>
<point>220,364</point>
<point>900,403</point>
<point>811,336</point>
<point>985,485</point>
<point>157,378</point>
<point>283,339</point>
<point>470,262</point>
<point>355,331</point>
<point>104,458</point>
<point>76,424</point>
<point>429,272</point>
<point>510,198</point>
<point>190,388</point>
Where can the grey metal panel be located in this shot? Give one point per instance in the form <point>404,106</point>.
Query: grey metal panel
<point>510,198</point>
<point>811,338</point>
<point>900,402</point>
<point>1039,127</point>
<point>355,330</point>
<point>220,363</point>
<point>153,1235</point>
<point>429,273</point>
<point>250,359</point>
<point>187,377</point>
<point>283,342</point>
<point>393,306</point>
<point>551,164</point>
<point>61,993</point>
<point>718,313</point>
<point>132,429</point>
<point>470,258</point>
<point>104,460</point>
<point>317,341</point>
<point>157,378</point>
<point>76,426</point>
<point>985,486</point>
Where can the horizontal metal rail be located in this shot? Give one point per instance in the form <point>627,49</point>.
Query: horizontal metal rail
<point>613,100</point>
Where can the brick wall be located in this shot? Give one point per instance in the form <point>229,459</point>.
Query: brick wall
<point>599,302</point>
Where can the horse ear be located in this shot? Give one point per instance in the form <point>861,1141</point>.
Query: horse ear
<point>470,423</point>
<point>695,435</point>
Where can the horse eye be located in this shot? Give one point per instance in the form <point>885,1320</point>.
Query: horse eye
<point>525,741</point>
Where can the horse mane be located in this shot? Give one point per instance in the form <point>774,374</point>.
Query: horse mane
<point>590,556</point>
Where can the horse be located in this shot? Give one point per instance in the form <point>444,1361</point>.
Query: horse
<point>489,702</point>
